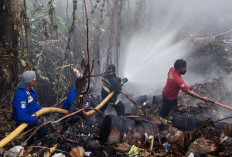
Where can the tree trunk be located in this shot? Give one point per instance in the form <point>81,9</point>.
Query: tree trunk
<point>10,30</point>
<point>112,29</point>
<point>118,37</point>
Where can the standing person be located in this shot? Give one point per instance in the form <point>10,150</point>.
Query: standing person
<point>174,84</point>
<point>25,104</point>
<point>75,94</point>
<point>112,83</point>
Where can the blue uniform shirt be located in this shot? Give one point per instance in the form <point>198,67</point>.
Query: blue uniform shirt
<point>24,105</point>
<point>69,100</point>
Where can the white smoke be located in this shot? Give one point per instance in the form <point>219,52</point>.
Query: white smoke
<point>151,48</point>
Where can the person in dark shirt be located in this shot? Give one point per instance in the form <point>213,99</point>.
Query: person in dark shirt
<point>174,84</point>
<point>25,103</point>
<point>75,93</point>
<point>112,83</point>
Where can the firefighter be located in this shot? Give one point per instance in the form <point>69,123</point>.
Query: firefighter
<point>174,84</point>
<point>25,104</point>
<point>75,94</point>
<point>112,83</point>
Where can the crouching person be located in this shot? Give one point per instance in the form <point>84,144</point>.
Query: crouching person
<point>75,95</point>
<point>25,104</point>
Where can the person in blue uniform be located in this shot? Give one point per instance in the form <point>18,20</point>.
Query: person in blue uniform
<point>25,104</point>
<point>75,94</point>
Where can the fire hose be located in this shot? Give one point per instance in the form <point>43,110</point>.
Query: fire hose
<point>104,101</point>
<point>100,105</point>
<point>21,127</point>
<point>217,103</point>
<point>43,111</point>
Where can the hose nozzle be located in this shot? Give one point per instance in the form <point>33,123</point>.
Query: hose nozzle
<point>124,80</point>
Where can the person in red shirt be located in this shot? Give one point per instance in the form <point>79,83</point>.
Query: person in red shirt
<point>174,84</point>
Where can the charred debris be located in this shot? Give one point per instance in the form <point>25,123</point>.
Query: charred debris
<point>194,130</point>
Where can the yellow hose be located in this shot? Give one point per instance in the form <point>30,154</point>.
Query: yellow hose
<point>21,127</point>
<point>100,105</point>
<point>45,110</point>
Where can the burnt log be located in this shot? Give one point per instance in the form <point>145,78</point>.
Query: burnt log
<point>227,130</point>
<point>220,125</point>
<point>116,129</point>
<point>186,123</point>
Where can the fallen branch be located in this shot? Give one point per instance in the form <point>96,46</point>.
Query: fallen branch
<point>26,132</point>
<point>222,119</point>
<point>68,139</point>
<point>52,122</point>
<point>137,105</point>
<point>155,106</point>
<point>152,143</point>
<point>98,74</point>
<point>69,115</point>
<point>130,116</point>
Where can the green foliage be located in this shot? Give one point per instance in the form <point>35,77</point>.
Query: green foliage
<point>57,19</point>
<point>20,33</point>
<point>12,54</point>
<point>37,18</point>
<point>15,27</point>
<point>20,54</point>
<point>60,23</point>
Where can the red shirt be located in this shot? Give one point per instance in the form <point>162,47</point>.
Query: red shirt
<point>174,84</point>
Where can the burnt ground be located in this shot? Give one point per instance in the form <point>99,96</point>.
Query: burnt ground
<point>195,123</point>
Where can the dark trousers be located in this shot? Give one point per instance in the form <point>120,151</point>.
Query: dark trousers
<point>166,106</point>
<point>41,133</point>
<point>119,108</point>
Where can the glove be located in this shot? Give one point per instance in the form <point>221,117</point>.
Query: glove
<point>124,80</point>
